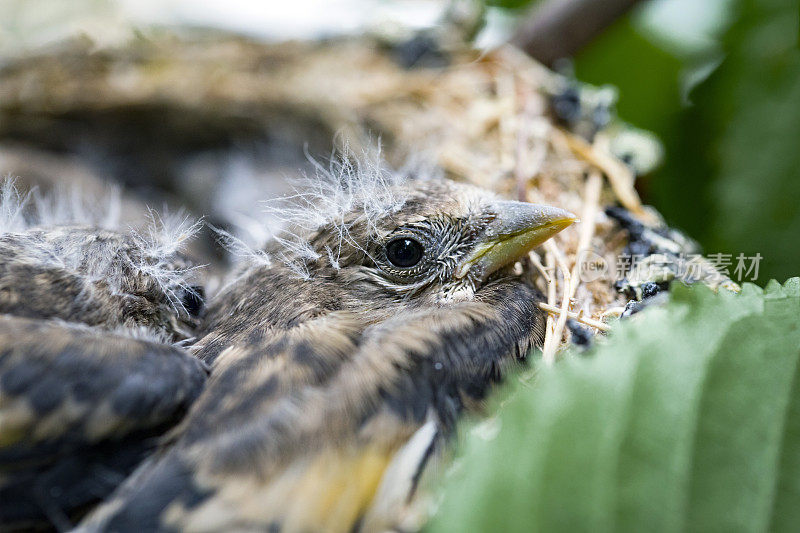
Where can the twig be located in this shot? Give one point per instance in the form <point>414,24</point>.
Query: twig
<point>534,258</point>
<point>551,300</point>
<point>613,311</point>
<point>591,205</point>
<point>553,310</point>
<point>533,73</point>
<point>520,176</point>
<point>508,120</point>
<point>619,176</point>
<point>549,350</point>
<point>557,29</point>
<point>525,169</point>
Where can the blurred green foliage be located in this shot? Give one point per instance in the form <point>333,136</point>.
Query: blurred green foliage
<point>655,431</point>
<point>731,176</point>
<point>508,4</point>
<point>754,103</point>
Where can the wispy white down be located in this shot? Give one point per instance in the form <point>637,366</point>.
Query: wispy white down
<point>64,205</point>
<point>161,239</point>
<point>362,184</point>
<point>156,243</point>
<point>12,207</point>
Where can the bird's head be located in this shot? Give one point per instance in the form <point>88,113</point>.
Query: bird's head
<point>61,259</point>
<point>428,240</point>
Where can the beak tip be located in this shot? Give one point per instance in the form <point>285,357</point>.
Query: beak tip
<point>563,218</point>
<point>518,228</point>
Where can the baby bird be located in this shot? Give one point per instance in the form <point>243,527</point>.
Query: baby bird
<point>341,357</point>
<point>88,372</point>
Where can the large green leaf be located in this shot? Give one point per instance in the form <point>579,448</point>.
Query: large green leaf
<point>686,419</point>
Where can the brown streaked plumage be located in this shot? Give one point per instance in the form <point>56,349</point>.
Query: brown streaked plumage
<point>88,375</point>
<point>79,411</point>
<point>342,357</point>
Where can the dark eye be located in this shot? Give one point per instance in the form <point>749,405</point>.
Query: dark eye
<point>404,252</point>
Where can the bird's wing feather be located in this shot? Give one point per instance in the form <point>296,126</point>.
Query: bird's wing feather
<point>78,409</point>
<point>298,433</point>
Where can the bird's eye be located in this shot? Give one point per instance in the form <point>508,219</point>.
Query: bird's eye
<point>404,252</point>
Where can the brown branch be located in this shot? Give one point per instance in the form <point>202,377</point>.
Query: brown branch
<point>559,28</point>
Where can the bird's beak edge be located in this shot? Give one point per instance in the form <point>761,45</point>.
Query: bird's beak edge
<point>518,228</point>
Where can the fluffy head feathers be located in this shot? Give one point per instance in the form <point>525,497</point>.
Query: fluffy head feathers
<point>338,221</point>
<point>66,253</point>
<point>348,191</point>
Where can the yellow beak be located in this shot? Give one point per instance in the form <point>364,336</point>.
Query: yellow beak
<point>518,228</point>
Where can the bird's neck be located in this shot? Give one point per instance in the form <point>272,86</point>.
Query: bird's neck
<point>268,299</point>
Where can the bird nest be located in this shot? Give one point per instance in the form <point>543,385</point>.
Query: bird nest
<point>481,117</point>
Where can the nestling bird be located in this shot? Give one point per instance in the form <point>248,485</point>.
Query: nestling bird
<point>342,355</point>
<point>88,372</point>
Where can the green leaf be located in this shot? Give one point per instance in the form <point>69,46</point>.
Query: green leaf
<point>686,419</point>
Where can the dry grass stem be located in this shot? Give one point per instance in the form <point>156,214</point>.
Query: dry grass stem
<point>613,311</point>
<point>591,206</point>
<point>619,175</point>
<point>547,353</point>
<point>553,310</point>
<point>550,348</point>
<point>537,263</point>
